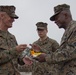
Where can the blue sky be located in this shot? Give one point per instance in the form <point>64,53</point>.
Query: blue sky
<point>32,11</point>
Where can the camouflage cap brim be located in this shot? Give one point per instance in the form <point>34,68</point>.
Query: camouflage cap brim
<point>13,15</point>
<point>52,18</point>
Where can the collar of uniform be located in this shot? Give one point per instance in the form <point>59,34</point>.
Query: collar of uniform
<point>70,24</point>
<point>44,41</point>
<point>4,34</point>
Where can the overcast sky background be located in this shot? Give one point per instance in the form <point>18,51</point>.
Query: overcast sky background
<point>32,11</point>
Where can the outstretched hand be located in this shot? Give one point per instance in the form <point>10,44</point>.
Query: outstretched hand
<point>27,61</point>
<point>35,47</point>
<point>41,57</point>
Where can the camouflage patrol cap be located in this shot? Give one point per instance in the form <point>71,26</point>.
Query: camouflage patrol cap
<point>10,10</point>
<point>58,9</point>
<point>41,25</point>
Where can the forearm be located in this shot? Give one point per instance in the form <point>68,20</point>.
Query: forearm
<point>64,55</point>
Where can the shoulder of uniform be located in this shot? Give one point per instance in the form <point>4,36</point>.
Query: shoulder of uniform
<point>52,40</point>
<point>35,42</point>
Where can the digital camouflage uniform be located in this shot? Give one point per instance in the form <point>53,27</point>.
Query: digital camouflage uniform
<point>65,56</point>
<point>24,68</point>
<point>48,46</point>
<point>8,54</point>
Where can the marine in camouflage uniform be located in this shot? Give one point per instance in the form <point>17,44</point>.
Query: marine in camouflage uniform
<point>47,46</point>
<point>8,45</point>
<point>65,56</point>
<point>7,41</point>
